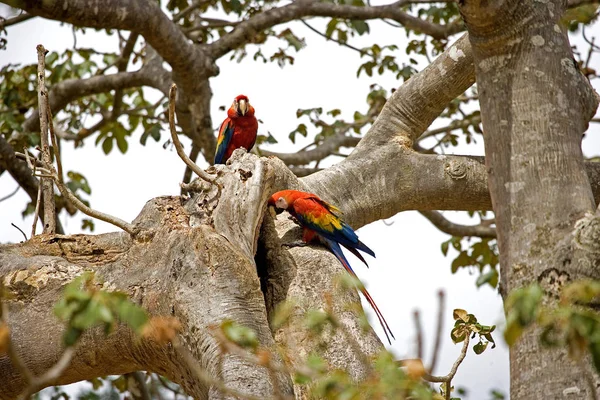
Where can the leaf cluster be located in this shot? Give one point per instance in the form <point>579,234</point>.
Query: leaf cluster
<point>573,323</point>
<point>84,305</point>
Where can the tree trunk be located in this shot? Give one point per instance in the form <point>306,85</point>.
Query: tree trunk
<point>535,106</point>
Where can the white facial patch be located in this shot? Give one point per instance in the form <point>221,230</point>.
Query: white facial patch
<point>281,203</point>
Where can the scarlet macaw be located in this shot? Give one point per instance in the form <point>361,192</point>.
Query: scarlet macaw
<point>237,130</point>
<point>321,220</point>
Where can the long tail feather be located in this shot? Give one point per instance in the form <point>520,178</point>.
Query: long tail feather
<point>363,247</point>
<point>337,251</point>
<point>357,254</point>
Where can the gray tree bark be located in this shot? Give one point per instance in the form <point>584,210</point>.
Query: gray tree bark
<point>535,106</point>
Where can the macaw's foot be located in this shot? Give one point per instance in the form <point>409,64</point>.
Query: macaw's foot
<point>298,243</point>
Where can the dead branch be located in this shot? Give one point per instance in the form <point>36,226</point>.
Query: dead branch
<point>447,379</point>
<point>192,165</point>
<point>20,230</point>
<point>439,330</point>
<point>46,184</point>
<point>49,171</point>
<point>36,213</point>
<point>11,194</point>
<point>419,338</point>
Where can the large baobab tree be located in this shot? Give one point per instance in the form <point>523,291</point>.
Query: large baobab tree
<point>219,255</point>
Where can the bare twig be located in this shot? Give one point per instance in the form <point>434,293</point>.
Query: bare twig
<point>39,382</point>
<point>192,165</point>
<point>187,175</point>
<point>419,329</point>
<point>34,383</point>
<point>46,184</point>
<point>59,169</point>
<point>437,219</point>
<point>8,196</point>
<point>448,378</point>
<point>189,9</point>
<point>67,194</point>
<point>439,331</point>
<point>20,230</point>
<point>332,39</point>
<point>4,22</point>
<point>166,384</point>
<point>142,392</point>
<point>37,209</point>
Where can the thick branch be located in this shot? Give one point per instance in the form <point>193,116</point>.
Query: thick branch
<point>143,17</point>
<point>323,150</point>
<point>5,22</point>
<point>298,9</point>
<point>70,90</point>
<point>404,178</point>
<point>446,226</point>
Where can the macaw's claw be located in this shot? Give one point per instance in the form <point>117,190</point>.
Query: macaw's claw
<point>297,243</point>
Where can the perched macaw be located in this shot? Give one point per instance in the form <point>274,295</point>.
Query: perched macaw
<point>238,129</point>
<point>322,220</point>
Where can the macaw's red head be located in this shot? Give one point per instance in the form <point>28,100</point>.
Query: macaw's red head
<point>284,199</point>
<point>241,106</point>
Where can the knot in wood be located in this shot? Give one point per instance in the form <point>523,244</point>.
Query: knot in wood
<point>553,280</point>
<point>586,234</point>
<point>456,169</point>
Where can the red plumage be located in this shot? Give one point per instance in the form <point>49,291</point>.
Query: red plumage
<point>322,220</point>
<point>237,130</point>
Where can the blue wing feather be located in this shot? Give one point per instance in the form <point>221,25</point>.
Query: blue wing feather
<point>225,135</point>
<point>342,233</point>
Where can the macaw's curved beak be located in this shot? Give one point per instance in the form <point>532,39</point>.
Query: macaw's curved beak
<point>243,107</point>
<point>272,211</point>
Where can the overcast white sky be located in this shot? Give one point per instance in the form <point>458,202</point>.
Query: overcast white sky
<point>409,268</point>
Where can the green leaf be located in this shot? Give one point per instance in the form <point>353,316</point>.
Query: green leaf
<point>87,224</point>
<point>283,312</point>
<point>463,260</point>
<point>121,143</point>
<point>480,347</point>
<point>132,314</point>
<point>153,132</point>
<point>239,334</point>
<point>459,334</point>
<point>513,330</point>
<point>490,277</point>
<point>301,129</point>
<point>461,314</point>
<point>71,336</point>
<point>316,320</point>
<point>361,27</point>
<point>445,247</point>
<point>107,144</point>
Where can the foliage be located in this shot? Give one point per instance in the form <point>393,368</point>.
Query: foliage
<point>466,324</point>
<point>573,322</point>
<point>481,254</point>
<point>84,306</point>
